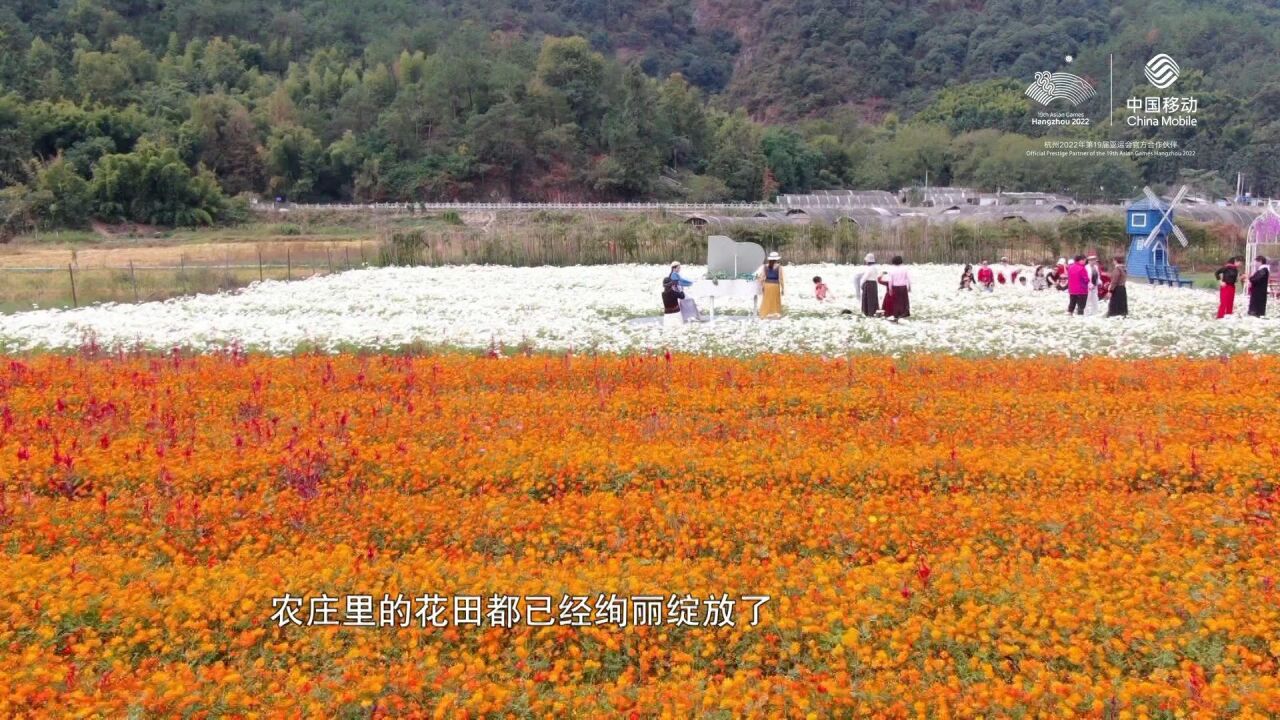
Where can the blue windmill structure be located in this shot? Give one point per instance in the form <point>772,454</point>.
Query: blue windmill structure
<point>1149,223</point>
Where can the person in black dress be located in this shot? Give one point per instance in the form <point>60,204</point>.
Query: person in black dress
<point>868,289</point>
<point>671,297</point>
<point>1259,284</point>
<point>1118,302</point>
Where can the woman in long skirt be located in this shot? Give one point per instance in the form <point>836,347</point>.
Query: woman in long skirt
<point>771,280</point>
<point>1095,278</point>
<point>1259,284</point>
<point>868,288</point>
<point>1118,302</point>
<point>900,287</point>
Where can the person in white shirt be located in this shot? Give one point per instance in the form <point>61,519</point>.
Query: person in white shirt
<point>900,288</point>
<point>1095,279</point>
<point>868,291</point>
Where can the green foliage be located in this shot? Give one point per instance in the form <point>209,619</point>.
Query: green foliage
<point>996,104</point>
<point>69,203</point>
<point>738,158</point>
<point>291,161</point>
<point>404,249</point>
<point>573,74</point>
<point>630,99</point>
<point>152,185</point>
<point>793,163</point>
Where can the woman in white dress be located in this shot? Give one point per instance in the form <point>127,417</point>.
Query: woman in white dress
<point>1095,279</point>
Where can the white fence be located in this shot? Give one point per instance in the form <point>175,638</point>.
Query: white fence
<point>514,206</point>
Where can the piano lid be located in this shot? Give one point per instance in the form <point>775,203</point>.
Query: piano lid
<point>729,258</point>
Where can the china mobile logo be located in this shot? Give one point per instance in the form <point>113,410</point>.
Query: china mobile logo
<point>1050,86</point>
<point>1161,71</point>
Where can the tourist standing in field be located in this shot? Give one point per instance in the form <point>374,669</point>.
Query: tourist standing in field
<point>688,307</point>
<point>966,278</point>
<point>1118,303</point>
<point>671,297</point>
<point>868,290</point>
<point>900,287</point>
<point>1228,275</point>
<point>886,308</point>
<point>1259,284</point>
<point>1095,279</point>
<point>1077,286</point>
<point>986,277</point>
<point>772,283</point>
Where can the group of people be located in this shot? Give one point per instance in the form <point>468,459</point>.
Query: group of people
<point>1228,277</point>
<point>897,288</point>
<point>1085,281</point>
<point>895,279</point>
<point>676,308</point>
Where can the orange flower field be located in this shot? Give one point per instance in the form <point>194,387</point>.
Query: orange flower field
<point>935,537</point>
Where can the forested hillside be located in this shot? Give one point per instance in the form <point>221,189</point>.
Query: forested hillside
<point>161,110</point>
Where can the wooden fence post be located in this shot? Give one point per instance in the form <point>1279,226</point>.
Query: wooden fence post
<point>71,271</point>
<point>288,263</point>
<point>329,257</point>
<point>259,263</point>
<point>133,277</point>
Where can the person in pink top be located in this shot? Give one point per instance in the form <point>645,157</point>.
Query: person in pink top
<point>819,289</point>
<point>1077,286</point>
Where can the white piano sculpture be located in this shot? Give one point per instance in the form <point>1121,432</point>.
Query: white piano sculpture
<point>731,268</point>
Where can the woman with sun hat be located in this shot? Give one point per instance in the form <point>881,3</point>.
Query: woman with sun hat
<point>772,282</point>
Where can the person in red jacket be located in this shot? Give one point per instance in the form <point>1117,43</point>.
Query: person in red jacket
<point>986,278</point>
<point>1077,286</point>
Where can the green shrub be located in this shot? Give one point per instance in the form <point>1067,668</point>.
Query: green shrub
<point>404,249</point>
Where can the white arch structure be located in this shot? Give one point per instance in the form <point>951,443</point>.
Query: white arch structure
<point>1264,232</point>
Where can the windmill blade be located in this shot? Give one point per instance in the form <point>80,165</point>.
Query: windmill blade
<point>1155,202</point>
<point>1177,231</point>
<point>1150,238</point>
<point>1167,215</point>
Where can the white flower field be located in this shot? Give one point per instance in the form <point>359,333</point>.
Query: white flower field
<point>612,308</point>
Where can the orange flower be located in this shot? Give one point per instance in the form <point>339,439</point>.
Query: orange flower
<point>935,536</point>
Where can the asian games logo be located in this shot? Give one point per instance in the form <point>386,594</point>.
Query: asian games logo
<point>1051,86</point>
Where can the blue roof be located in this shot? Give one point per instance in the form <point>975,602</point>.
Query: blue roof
<point>1143,203</point>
